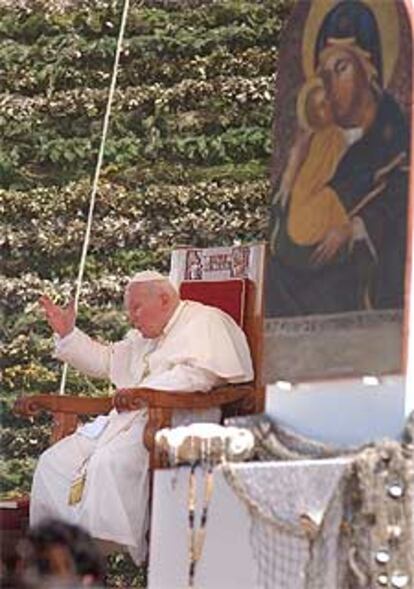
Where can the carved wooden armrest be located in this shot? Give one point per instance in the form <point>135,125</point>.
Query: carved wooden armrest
<point>65,410</point>
<point>29,405</point>
<point>132,399</point>
<point>161,404</point>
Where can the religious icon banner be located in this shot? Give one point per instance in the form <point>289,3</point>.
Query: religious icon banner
<point>339,200</point>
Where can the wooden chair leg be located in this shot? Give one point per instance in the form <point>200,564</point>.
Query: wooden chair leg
<point>63,425</point>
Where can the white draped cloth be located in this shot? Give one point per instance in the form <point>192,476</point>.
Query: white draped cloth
<point>200,348</point>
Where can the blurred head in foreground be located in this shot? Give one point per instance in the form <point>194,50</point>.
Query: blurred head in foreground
<point>57,554</point>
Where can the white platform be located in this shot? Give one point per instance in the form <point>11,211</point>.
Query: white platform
<point>227,531</point>
<point>343,412</point>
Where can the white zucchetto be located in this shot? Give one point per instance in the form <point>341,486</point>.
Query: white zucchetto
<point>147,276</point>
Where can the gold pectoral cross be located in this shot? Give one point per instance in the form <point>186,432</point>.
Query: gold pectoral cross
<point>76,489</point>
<point>146,369</point>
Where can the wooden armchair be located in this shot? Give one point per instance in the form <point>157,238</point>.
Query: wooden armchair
<point>229,278</point>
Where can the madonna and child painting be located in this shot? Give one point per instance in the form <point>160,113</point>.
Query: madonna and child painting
<point>340,170</point>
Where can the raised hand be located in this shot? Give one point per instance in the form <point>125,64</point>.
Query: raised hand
<point>60,319</point>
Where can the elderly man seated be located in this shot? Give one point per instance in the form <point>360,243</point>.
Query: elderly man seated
<point>98,476</point>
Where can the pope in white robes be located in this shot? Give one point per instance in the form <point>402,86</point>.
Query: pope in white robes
<point>175,345</point>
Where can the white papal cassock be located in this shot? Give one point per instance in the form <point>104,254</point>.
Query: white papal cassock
<point>200,348</point>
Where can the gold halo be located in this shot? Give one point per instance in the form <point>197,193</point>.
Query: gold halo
<point>387,21</point>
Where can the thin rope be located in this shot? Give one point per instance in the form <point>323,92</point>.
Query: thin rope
<point>97,173</point>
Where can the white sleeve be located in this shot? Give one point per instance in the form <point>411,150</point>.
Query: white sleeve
<point>183,378</point>
<point>83,353</point>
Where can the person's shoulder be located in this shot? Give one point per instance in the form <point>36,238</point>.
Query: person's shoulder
<point>200,313</point>
<point>389,133</point>
<point>388,101</point>
<point>391,111</point>
<point>201,309</point>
